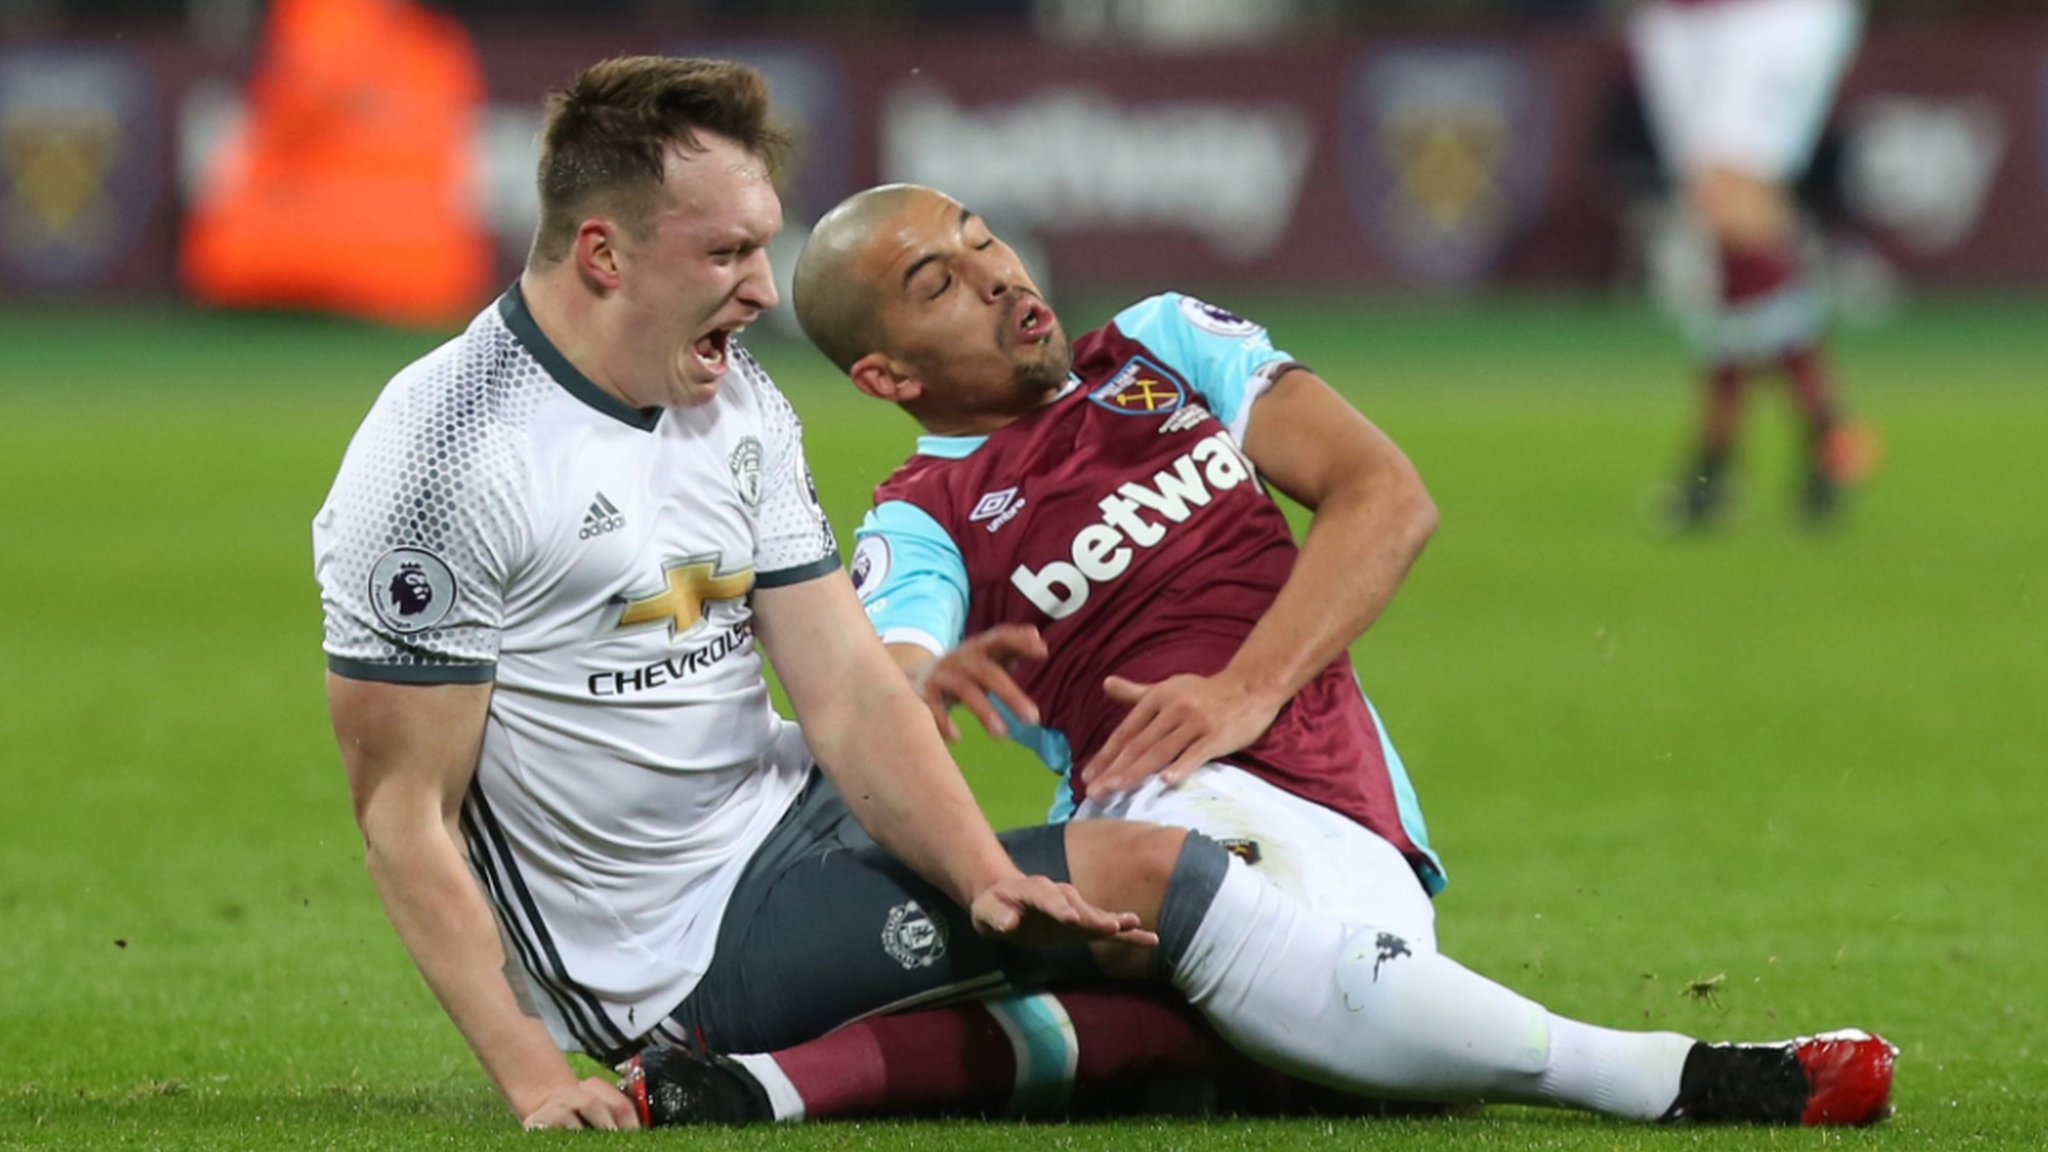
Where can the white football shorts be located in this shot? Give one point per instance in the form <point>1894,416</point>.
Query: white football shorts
<point>1326,860</point>
<point>1744,84</point>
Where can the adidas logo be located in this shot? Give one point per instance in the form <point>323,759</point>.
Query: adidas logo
<point>603,517</point>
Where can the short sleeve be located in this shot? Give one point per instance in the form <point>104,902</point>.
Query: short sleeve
<point>793,538</point>
<point>1230,360</point>
<point>911,577</point>
<point>414,540</point>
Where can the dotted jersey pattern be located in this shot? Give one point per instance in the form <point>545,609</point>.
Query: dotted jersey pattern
<point>792,525</point>
<point>436,466</point>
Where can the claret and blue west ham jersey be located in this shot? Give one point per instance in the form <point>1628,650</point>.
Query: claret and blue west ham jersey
<point>1124,521</point>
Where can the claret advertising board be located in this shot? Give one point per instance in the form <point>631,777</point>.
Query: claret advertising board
<point>1443,164</point>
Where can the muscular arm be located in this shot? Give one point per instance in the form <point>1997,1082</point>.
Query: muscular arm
<point>1372,517</point>
<point>873,737</point>
<point>411,751</point>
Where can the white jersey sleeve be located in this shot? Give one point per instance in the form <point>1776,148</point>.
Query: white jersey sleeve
<point>413,545</point>
<point>794,538</point>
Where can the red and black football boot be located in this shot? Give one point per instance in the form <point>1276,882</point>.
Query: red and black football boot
<point>1836,1078</point>
<point>672,1086</point>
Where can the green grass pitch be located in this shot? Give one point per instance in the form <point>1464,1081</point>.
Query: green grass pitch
<point>1806,768</point>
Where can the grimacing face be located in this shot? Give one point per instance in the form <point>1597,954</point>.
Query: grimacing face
<point>701,273</point>
<point>958,306</point>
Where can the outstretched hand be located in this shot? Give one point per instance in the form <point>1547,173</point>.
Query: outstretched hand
<point>1174,727</point>
<point>1038,912</point>
<point>975,672</point>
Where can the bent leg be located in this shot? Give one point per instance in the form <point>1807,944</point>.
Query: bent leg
<point>1085,1050</point>
<point>1340,983</point>
<point>844,932</point>
<point>1745,213</point>
<point>826,927</point>
<point>1364,1009</point>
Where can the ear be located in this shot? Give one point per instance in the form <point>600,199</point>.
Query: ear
<point>597,253</point>
<point>884,379</point>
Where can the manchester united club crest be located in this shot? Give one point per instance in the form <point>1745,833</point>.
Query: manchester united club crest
<point>746,472</point>
<point>1141,388</point>
<point>913,937</point>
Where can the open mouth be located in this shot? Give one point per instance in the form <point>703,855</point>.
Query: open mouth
<point>710,349</point>
<point>1033,323</point>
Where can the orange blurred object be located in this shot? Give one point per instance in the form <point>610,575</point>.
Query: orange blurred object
<point>1851,453</point>
<point>351,188</point>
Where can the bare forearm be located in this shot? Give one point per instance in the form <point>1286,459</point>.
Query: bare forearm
<point>446,926</point>
<point>885,755</point>
<point>411,754</point>
<point>1359,548</point>
<point>875,738</point>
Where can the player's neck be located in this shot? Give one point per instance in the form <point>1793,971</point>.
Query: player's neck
<point>979,421</point>
<point>965,424</point>
<point>571,319</point>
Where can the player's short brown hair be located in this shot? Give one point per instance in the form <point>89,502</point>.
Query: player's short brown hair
<point>605,140</point>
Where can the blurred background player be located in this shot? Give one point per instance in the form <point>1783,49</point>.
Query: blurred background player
<point>1736,93</point>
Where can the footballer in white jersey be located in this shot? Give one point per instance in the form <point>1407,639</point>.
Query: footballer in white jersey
<point>498,517</point>
<point>1737,92</point>
<point>1746,83</point>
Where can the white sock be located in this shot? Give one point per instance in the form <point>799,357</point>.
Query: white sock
<point>1619,1073</point>
<point>1357,1008</point>
<point>783,1098</point>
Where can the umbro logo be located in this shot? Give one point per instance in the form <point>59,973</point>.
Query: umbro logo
<point>603,517</point>
<point>998,508</point>
<point>992,504</point>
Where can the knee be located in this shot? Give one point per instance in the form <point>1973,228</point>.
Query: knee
<point>1123,865</point>
<point>1125,961</point>
<point>1150,854</point>
<point>1743,212</point>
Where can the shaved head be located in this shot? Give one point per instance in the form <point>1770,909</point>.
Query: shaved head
<point>920,304</point>
<point>837,306</point>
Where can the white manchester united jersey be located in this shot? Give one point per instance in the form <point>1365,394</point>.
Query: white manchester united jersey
<point>498,517</point>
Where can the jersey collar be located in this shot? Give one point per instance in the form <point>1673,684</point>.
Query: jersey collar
<point>961,447</point>
<point>512,308</point>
